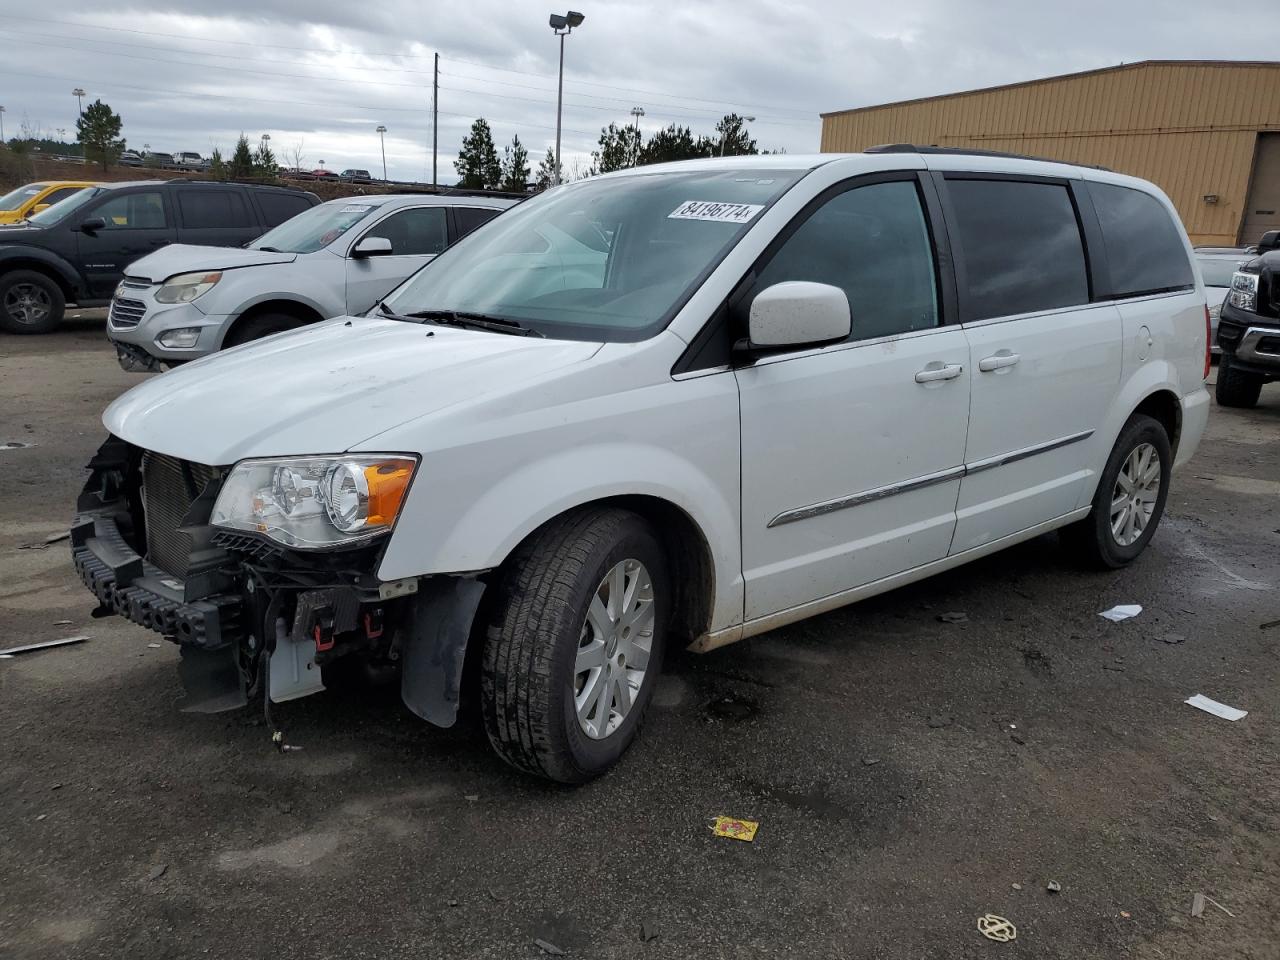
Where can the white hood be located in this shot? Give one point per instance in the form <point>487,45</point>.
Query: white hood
<point>188,257</point>
<point>325,388</point>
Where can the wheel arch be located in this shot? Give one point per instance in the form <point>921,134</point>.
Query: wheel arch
<point>306,313</point>
<point>1163,406</point>
<point>46,265</point>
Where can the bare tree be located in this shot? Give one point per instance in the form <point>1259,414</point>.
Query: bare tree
<point>295,155</point>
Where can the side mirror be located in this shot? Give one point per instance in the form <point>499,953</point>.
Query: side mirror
<point>1270,241</point>
<point>798,313</point>
<point>93,225</point>
<point>371,247</point>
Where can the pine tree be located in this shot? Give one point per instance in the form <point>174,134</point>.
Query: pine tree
<point>477,164</point>
<point>546,171</point>
<point>619,148</point>
<point>99,131</point>
<point>217,166</point>
<point>515,166</point>
<point>733,139</point>
<point>675,143</point>
<point>264,162</point>
<point>241,163</point>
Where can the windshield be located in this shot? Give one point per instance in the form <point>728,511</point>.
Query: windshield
<point>1217,273</point>
<point>16,198</point>
<point>314,228</point>
<point>605,259</point>
<point>64,207</point>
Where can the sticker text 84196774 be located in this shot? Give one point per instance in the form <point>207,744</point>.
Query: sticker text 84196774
<point>711,210</point>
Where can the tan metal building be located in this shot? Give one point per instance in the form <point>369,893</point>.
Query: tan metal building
<point>1208,132</point>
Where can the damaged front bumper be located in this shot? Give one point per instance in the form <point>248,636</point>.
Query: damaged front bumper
<point>251,616</point>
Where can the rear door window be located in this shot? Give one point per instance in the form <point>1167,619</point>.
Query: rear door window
<point>467,219</point>
<point>278,207</point>
<point>1020,247</point>
<point>1145,250</point>
<point>207,209</point>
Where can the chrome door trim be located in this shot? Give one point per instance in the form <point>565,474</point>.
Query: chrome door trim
<point>928,480</point>
<point>1014,456</point>
<point>857,499</point>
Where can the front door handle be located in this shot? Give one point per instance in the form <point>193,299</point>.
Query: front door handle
<point>998,362</point>
<point>939,371</point>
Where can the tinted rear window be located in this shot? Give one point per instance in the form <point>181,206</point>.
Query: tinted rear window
<point>1145,250</point>
<point>279,207</point>
<point>208,209</point>
<point>1021,247</point>
<point>468,218</point>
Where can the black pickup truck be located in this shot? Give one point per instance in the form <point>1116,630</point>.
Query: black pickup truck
<point>76,250</point>
<point>1249,327</point>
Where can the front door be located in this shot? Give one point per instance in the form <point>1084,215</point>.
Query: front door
<point>416,234</point>
<point>1044,360</point>
<point>852,454</point>
<point>137,223</point>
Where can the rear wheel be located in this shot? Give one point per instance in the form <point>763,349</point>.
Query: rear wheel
<point>30,302</point>
<point>1130,500</point>
<point>1235,387</point>
<point>575,643</point>
<point>263,325</point>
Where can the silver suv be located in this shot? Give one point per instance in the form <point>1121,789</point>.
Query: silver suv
<point>340,257</point>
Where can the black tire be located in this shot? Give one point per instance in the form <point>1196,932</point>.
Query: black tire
<point>30,302</point>
<point>1235,387</point>
<point>263,325</point>
<point>1091,540</point>
<point>531,644</point>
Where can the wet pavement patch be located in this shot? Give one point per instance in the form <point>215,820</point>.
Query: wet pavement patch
<point>730,707</point>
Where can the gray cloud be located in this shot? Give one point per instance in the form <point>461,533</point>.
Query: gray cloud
<point>189,81</point>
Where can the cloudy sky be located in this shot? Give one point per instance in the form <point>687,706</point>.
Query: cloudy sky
<point>320,76</point>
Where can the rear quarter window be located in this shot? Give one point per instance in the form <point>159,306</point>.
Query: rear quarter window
<point>278,207</point>
<point>1145,250</point>
<point>210,209</point>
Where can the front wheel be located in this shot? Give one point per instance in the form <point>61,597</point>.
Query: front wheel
<point>263,325</point>
<point>1130,500</point>
<point>1235,388</point>
<point>574,644</point>
<point>30,302</point>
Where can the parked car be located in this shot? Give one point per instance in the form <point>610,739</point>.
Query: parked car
<point>77,250</point>
<point>337,258</point>
<point>164,160</point>
<point>321,173</point>
<point>356,176</point>
<point>1249,327</point>
<point>130,158</point>
<point>189,160</point>
<point>17,205</point>
<point>764,387</point>
<point>1216,266</point>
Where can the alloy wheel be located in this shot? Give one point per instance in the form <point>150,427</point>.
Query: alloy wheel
<point>613,649</point>
<point>1133,499</point>
<point>27,303</point>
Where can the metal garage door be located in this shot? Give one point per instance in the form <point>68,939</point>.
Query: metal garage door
<point>1262,212</point>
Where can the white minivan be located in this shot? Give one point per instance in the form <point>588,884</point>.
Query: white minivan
<point>758,388</point>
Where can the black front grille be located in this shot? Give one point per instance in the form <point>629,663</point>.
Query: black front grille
<point>169,487</point>
<point>126,313</point>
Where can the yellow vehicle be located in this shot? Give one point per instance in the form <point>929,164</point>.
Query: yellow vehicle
<point>19,204</point>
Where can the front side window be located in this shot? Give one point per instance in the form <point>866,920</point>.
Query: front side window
<point>133,211</point>
<point>604,259</point>
<point>206,209</point>
<point>1145,250</point>
<point>873,243</point>
<point>314,229</point>
<point>417,232</point>
<point>1020,245</point>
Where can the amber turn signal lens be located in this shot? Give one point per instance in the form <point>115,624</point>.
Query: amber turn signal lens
<point>388,482</point>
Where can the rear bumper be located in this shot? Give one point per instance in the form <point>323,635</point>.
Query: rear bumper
<point>126,584</point>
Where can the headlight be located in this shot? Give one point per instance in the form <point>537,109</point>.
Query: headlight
<point>315,502</point>
<point>1244,291</point>
<point>185,287</point>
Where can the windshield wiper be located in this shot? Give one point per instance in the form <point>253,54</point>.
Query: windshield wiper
<point>475,321</point>
<point>269,249</point>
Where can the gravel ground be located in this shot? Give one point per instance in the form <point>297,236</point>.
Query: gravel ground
<point>909,775</point>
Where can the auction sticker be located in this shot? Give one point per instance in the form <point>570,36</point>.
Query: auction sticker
<point>711,210</point>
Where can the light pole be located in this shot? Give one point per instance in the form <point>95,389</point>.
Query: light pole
<point>562,26</point>
<point>78,92</point>
<point>382,136</point>
<point>736,127</point>
<point>1,124</point>
<point>637,112</point>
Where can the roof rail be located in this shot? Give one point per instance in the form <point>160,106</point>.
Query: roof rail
<point>971,152</point>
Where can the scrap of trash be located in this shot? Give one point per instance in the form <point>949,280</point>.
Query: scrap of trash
<point>1122,612</point>
<point>735,829</point>
<point>1201,702</point>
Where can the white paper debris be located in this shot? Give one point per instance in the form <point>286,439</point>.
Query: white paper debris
<point>1201,702</point>
<point>1123,612</point>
